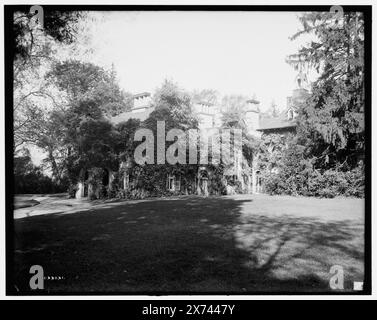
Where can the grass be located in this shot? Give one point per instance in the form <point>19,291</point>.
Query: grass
<point>238,244</point>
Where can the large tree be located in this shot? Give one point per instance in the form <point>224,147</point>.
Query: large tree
<point>323,159</point>
<point>173,106</point>
<point>177,104</point>
<point>331,122</point>
<point>60,26</point>
<point>34,51</point>
<point>79,133</point>
<point>209,96</point>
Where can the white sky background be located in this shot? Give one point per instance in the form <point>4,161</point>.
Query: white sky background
<point>231,52</point>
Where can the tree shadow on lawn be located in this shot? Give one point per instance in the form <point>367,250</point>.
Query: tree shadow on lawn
<point>193,245</point>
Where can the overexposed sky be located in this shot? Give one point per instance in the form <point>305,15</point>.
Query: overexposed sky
<point>232,52</point>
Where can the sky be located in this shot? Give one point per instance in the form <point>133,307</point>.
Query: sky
<point>231,52</point>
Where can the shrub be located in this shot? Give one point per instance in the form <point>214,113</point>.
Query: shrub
<point>36,182</point>
<point>296,174</point>
<point>326,184</point>
<point>133,194</point>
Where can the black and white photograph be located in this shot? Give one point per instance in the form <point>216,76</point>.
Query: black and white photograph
<point>191,150</point>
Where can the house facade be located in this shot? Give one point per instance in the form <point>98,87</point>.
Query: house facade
<point>283,125</point>
<point>209,117</point>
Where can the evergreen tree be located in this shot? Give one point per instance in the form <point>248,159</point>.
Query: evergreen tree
<point>331,122</point>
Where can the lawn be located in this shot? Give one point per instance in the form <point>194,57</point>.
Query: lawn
<point>231,244</point>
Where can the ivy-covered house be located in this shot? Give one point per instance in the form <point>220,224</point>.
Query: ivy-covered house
<point>275,132</point>
<point>202,179</point>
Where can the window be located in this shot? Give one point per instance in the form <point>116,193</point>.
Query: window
<point>177,184</point>
<point>126,181</point>
<point>173,184</point>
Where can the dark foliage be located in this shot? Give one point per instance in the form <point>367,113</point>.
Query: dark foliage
<point>30,179</point>
<point>60,25</point>
<point>295,174</point>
